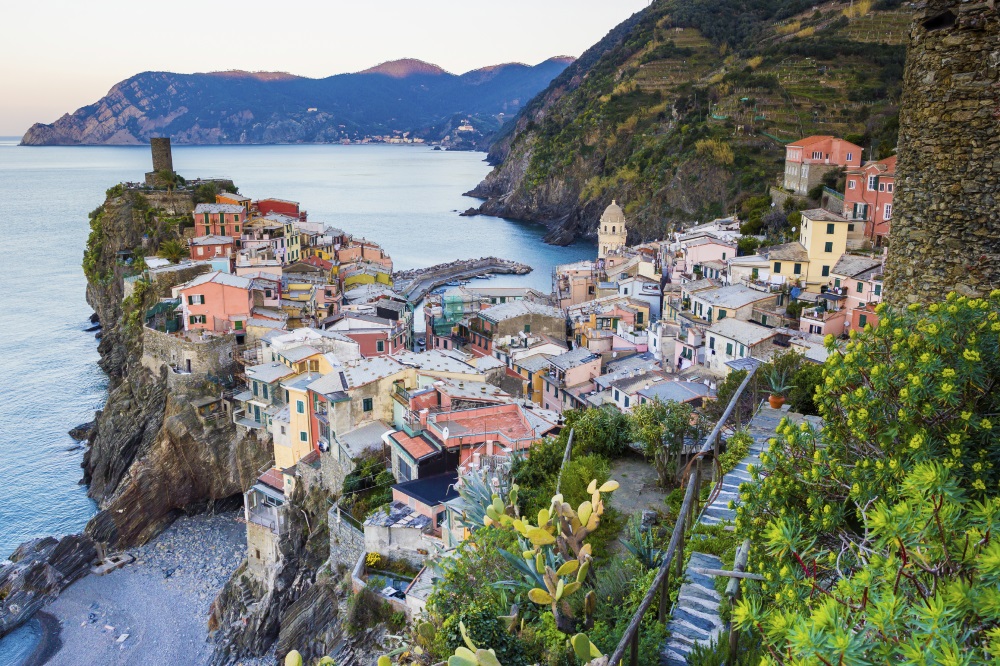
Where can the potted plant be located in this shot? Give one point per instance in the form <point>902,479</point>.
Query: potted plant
<point>777,380</point>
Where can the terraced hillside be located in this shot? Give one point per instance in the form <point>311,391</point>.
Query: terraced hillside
<point>683,110</point>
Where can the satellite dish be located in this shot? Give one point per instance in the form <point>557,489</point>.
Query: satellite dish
<point>444,434</point>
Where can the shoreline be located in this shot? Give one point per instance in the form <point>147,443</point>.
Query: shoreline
<point>49,640</point>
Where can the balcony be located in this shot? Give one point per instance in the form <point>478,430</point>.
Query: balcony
<point>240,419</point>
<point>267,516</point>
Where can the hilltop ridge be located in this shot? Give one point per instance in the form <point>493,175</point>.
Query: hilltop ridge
<point>682,111</point>
<point>398,97</point>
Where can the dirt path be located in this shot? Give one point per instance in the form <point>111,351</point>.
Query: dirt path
<point>638,489</point>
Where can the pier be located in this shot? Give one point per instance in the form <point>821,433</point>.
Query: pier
<point>415,284</point>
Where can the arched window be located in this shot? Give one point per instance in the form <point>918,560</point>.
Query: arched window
<point>612,230</point>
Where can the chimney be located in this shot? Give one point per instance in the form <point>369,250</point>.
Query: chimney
<point>423,416</point>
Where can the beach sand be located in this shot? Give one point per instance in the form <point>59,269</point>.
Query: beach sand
<point>154,611</point>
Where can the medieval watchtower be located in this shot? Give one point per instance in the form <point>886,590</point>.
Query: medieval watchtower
<point>946,231</point>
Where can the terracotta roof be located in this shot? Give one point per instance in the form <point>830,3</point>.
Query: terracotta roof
<point>416,447</point>
<point>787,252</point>
<point>810,140</point>
<point>273,478</point>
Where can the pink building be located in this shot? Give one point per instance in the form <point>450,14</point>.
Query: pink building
<point>377,336</point>
<point>702,250</point>
<point>216,302</point>
<point>859,280</point>
<point>868,197</point>
<point>808,159</point>
<point>219,219</point>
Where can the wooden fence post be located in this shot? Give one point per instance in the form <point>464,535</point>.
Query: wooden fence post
<point>634,656</point>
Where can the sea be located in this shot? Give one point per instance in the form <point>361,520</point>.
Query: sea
<point>405,197</point>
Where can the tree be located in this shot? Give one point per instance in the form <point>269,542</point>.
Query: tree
<point>172,250</point>
<point>747,245</point>
<point>877,536</point>
<point>663,428</point>
<point>804,383</point>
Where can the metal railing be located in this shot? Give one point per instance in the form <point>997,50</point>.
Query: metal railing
<point>674,556</point>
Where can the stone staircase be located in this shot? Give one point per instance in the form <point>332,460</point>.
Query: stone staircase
<point>695,618</point>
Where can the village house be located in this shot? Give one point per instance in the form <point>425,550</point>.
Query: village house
<point>642,288</point>
<point>570,376</point>
<point>575,283</point>
<point>234,199</point>
<point>827,317</point>
<point>376,335</point>
<point>210,247</point>
<point>868,197</point>
<point>733,302</point>
<point>627,392</point>
<point>499,323</point>
<point>219,219</point>
<point>808,160</point>
<point>215,302</point>
<point>697,252</point>
<point>281,207</point>
<point>859,280</point>
<point>733,339</point>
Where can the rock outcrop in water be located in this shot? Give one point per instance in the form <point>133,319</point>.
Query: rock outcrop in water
<point>37,572</point>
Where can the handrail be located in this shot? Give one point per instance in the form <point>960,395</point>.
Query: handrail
<point>733,593</point>
<point>685,518</point>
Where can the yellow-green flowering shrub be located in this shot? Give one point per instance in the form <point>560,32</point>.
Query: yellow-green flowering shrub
<point>879,537</point>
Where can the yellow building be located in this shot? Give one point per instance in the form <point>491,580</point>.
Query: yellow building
<point>824,236</point>
<point>298,441</point>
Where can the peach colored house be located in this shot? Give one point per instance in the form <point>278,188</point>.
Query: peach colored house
<point>701,250</point>
<point>570,375</point>
<point>216,302</point>
<point>859,280</point>
<point>808,159</point>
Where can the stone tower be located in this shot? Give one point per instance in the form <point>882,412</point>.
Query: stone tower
<point>163,162</point>
<point>611,232</point>
<point>162,158</point>
<point>946,231</point>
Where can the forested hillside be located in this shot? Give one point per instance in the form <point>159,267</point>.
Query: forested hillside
<point>683,110</point>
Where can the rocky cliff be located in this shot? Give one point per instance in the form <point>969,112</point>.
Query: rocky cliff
<point>151,456</point>
<point>682,111</point>
<point>255,107</point>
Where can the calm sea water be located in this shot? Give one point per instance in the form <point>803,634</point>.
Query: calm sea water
<point>405,198</point>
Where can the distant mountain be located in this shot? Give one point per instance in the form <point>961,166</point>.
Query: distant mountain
<point>276,107</point>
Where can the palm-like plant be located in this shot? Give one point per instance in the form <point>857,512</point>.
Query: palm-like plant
<point>172,250</point>
<point>778,381</point>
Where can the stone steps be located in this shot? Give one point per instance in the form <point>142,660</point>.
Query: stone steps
<point>695,617</point>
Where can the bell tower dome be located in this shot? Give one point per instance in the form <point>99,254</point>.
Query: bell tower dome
<point>611,232</point>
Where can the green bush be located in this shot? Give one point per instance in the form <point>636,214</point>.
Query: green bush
<point>484,629</point>
<point>877,536</point>
<point>366,609</point>
<point>804,383</point>
<point>737,448</point>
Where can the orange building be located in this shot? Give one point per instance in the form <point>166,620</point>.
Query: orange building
<point>216,302</point>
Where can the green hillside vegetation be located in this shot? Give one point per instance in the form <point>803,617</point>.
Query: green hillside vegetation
<point>687,114</point>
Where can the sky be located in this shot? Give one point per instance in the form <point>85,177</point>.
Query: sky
<point>59,55</point>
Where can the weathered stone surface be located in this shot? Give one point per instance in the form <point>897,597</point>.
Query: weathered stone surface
<point>37,572</point>
<point>946,224</point>
<point>310,615</point>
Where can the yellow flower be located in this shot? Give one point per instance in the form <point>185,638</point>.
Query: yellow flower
<point>977,467</point>
<point>947,373</point>
<point>933,307</point>
<point>971,355</point>
<point>947,388</point>
<point>925,358</point>
<point>917,441</point>
<point>932,329</point>
<point>904,393</point>
<point>913,307</point>
<point>978,484</point>
<point>956,452</point>
<point>953,309</point>
<point>898,332</point>
<point>955,438</point>
<point>985,424</point>
<point>966,416</point>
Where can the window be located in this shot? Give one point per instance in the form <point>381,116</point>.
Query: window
<point>797,269</point>
<point>625,291</point>
<point>264,389</point>
<point>527,328</point>
<point>405,471</point>
<point>878,290</point>
<point>872,182</point>
<point>711,343</point>
<point>861,287</point>
<point>300,407</point>
<point>722,314</point>
<point>777,267</point>
<point>303,437</point>
<point>850,184</point>
<point>617,396</point>
<point>888,211</point>
<point>255,389</point>
<point>198,319</point>
<point>850,227</point>
<point>828,247</point>
<point>626,401</point>
<point>743,350</point>
<point>831,228</point>
<point>236,218</point>
<point>380,345</point>
<point>238,325</point>
<point>836,283</point>
<point>850,156</point>
<point>638,318</point>
<point>196,299</point>
<point>881,187</point>
<point>367,404</point>
<point>282,430</point>
<point>862,320</point>
<point>817,155</point>
<point>237,228</point>
<point>826,271</point>
<point>201,251</point>
<point>723,256</point>
<point>729,349</point>
<point>888,187</point>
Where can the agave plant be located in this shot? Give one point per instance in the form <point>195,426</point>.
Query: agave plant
<point>778,381</point>
<point>640,544</point>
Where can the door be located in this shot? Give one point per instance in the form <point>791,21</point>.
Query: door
<point>188,364</point>
<point>256,413</point>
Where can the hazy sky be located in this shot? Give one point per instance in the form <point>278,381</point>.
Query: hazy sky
<point>59,55</point>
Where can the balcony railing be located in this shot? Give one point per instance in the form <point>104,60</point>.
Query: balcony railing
<point>240,419</point>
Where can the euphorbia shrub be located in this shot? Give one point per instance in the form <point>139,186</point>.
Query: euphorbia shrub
<point>879,536</point>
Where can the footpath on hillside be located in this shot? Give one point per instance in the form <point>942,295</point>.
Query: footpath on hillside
<point>695,618</point>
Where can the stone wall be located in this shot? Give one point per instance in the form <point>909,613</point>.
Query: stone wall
<point>213,356</point>
<point>162,158</point>
<point>172,202</point>
<point>263,550</point>
<point>347,543</point>
<point>946,223</point>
